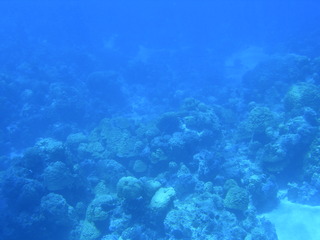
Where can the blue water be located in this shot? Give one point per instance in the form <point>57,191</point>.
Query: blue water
<point>143,120</point>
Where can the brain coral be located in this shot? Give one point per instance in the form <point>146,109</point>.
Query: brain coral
<point>237,198</point>
<point>259,119</point>
<point>57,176</point>
<point>162,199</point>
<point>302,95</point>
<point>129,188</point>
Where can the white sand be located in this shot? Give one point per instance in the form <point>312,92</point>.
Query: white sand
<point>296,221</point>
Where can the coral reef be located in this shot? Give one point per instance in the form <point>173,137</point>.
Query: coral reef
<point>95,154</point>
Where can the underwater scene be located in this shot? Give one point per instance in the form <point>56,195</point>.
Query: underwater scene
<point>160,120</point>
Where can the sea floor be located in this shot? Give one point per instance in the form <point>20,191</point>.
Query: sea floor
<point>296,221</point>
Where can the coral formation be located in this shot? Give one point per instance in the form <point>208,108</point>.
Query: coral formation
<point>100,154</point>
<point>129,188</point>
<point>237,198</point>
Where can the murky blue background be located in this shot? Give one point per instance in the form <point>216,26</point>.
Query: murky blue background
<point>159,119</point>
